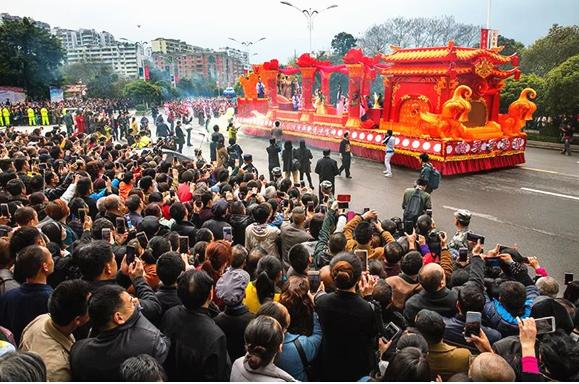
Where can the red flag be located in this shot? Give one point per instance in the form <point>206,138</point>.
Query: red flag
<point>147,72</point>
<point>484,38</point>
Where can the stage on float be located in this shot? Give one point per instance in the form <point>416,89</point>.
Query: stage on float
<point>450,157</point>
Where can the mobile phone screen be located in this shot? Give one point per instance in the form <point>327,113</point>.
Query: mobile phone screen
<point>472,324</point>
<point>463,254</point>
<point>363,255</point>
<point>4,210</point>
<point>183,244</point>
<point>545,325</point>
<point>82,214</point>
<point>143,240</point>
<point>130,254</point>
<point>107,234</point>
<point>314,280</point>
<point>120,225</point>
<point>310,206</point>
<point>227,234</point>
<point>391,331</point>
<point>568,278</point>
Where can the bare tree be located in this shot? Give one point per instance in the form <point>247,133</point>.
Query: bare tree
<point>418,32</point>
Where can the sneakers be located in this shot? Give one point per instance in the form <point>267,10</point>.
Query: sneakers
<point>387,175</point>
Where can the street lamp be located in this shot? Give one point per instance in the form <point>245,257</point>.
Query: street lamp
<point>247,45</point>
<point>310,14</point>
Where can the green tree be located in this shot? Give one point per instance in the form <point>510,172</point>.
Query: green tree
<point>510,46</point>
<point>141,91</point>
<point>548,52</point>
<point>513,88</point>
<point>342,43</point>
<point>29,57</point>
<point>561,84</point>
<point>99,78</point>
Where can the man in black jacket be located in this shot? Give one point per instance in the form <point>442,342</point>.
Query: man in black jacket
<point>119,332</point>
<point>434,296</point>
<point>198,346</point>
<point>98,266</point>
<point>327,169</point>
<point>183,227</point>
<point>272,156</point>
<point>345,155</point>
<point>239,220</point>
<point>169,267</point>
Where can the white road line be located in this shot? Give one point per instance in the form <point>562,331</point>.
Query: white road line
<point>482,215</point>
<point>550,193</point>
<point>497,220</point>
<point>547,171</point>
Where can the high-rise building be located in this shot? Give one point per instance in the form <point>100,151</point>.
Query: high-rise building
<point>170,46</point>
<point>126,59</point>
<point>40,24</point>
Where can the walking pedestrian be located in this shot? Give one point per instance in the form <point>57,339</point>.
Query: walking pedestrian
<point>272,156</point>
<point>216,137</point>
<point>327,169</point>
<point>567,137</point>
<point>290,163</point>
<point>304,156</point>
<point>429,174</point>
<point>345,155</point>
<point>389,148</point>
<point>180,137</point>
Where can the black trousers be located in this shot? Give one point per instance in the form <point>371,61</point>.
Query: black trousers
<point>309,176</point>
<point>180,147</point>
<point>346,162</point>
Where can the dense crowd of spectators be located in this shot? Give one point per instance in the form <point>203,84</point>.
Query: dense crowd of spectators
<point>126,265</point>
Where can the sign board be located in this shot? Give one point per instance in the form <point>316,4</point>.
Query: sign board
<point>56,94</point>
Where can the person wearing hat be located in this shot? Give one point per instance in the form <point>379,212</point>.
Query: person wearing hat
<point>233,320</point>
<point>272,156</point>
<point>327,169</point>
<point>461,221</point>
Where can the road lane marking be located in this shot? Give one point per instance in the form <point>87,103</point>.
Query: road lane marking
<point>497,220</point>
<point>550,193</point>
<point>550,172</point>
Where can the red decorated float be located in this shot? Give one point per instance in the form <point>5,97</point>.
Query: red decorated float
<point>443,101</point>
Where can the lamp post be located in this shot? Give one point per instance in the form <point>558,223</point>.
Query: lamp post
<point>247,45</point>
<point>310,14</point>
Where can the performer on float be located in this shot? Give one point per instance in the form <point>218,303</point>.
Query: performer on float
<point>319,103</point>
<point>260,88</point>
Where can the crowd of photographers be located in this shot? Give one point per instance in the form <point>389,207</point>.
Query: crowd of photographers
<point>126,265</point>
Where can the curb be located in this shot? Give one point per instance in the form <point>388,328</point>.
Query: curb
<point>551,146</point>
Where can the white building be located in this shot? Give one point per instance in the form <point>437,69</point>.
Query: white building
<point>126,59</point>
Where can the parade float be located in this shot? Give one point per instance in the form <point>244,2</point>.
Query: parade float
<point>443,101</point>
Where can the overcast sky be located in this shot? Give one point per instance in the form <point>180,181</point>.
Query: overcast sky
<point>210,23</point>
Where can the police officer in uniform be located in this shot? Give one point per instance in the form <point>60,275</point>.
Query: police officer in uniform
<point>461,221</point>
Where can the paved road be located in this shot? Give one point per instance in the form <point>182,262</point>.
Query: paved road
<point>535,206</point>
<point>540,219</point>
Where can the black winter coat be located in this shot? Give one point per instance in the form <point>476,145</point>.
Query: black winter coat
<point>99,358</point>
<point>327,168</point>
<point>198,346</point>
<point>304,155</point>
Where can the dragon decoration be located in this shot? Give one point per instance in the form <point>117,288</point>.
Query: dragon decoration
<point>520,111</point>
<point>449,123</point>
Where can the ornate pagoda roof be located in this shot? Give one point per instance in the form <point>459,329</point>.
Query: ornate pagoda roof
<point>443,69</point>
<point>450,53</point>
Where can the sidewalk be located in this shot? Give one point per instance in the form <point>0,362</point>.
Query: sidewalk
<point>552,146</point>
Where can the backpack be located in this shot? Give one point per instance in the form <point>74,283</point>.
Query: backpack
<point>434,178</point>
<point>413,209</point>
